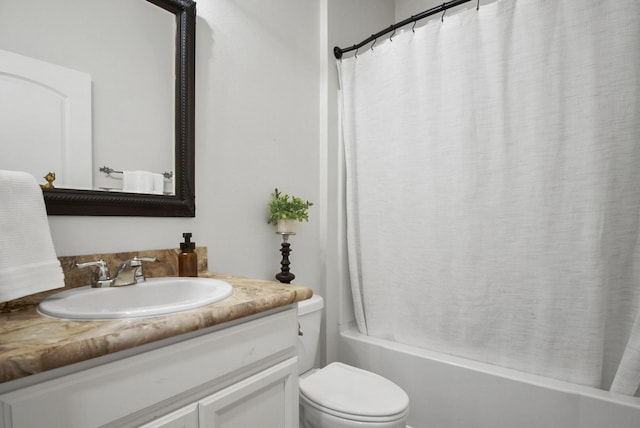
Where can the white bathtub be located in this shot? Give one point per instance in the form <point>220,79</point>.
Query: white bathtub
<point>450,392</point>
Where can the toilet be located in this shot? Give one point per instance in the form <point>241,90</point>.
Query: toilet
<point>339,395</point>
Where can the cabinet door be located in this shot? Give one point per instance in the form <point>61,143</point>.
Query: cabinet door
<point>187,417</point>
<point>268,399</point>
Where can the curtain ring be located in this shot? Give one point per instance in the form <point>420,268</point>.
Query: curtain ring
<point>392,34</point>
<point>478,5</point>
<point>356,54</point>
<point>413,27</point>
<point>374,43</point>
<point>444,10</point>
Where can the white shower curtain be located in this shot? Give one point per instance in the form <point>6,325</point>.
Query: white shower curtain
<point>493,187</point>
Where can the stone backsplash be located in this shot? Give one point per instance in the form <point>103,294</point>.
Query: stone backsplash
<point>167,265</point>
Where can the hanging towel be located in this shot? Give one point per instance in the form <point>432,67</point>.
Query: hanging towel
<point>137,182</point>
<point>28,262</point>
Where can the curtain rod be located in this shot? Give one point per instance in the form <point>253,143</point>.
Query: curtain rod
<point>337,52</point>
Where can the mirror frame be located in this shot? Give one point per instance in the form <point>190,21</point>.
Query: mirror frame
<point>182,204</point>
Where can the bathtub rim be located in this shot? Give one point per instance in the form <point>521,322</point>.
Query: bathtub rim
<point>352,333</point>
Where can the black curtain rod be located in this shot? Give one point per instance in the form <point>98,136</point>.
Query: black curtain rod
<point>444,6</point>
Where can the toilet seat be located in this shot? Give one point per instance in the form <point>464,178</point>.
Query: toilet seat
<point>354,394</point>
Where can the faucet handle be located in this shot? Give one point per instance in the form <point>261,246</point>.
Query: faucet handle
<point>137,262</point>
<point>104,278</point>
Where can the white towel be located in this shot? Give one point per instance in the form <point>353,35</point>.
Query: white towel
<point>28,262</point>
<point>158,184</point>
<point>137,182</point>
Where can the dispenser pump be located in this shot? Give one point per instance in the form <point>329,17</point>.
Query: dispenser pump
<point>187,259</point>
<point>187,245</point>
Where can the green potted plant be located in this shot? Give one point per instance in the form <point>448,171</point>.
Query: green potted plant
<point>285,210</point>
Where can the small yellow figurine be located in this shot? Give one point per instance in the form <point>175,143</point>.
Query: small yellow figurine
<point>50,178</point>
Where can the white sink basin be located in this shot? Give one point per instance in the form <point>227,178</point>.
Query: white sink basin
<point>155,296</point>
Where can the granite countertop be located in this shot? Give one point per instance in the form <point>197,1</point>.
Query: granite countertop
<point>31,343</point>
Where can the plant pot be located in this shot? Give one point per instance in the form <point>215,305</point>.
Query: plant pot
<point>287,226</point>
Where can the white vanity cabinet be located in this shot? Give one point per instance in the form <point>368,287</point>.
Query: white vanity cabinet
<point>242,376</point>
<point>187,417</point>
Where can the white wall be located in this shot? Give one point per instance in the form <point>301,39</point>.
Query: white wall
<point>256,129</point>
<point>407,8</point>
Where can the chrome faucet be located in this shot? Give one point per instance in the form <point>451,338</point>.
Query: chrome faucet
<point>128,273</point>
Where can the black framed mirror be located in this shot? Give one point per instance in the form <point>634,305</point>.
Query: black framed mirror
<point>61,201</point>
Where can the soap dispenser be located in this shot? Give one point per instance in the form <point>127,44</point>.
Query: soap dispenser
<point>187,259</point>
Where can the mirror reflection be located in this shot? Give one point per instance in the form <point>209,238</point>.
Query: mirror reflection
<point>89,85</point>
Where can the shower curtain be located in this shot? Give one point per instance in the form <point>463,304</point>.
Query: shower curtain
<point>493,187</point>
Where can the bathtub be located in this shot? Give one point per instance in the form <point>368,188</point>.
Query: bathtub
<point>451,392</point>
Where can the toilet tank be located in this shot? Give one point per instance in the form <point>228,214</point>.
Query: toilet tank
<point>310,319</point>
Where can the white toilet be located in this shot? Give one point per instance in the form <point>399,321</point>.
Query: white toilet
<point>342,396</point>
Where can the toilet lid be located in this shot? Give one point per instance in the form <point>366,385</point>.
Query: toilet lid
<point>352,391</point>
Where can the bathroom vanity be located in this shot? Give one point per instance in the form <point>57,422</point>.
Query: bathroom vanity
<point>232,363</point>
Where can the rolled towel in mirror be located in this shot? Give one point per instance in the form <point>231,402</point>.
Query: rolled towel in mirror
<point>158,184</point>
<point>137,182</point>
